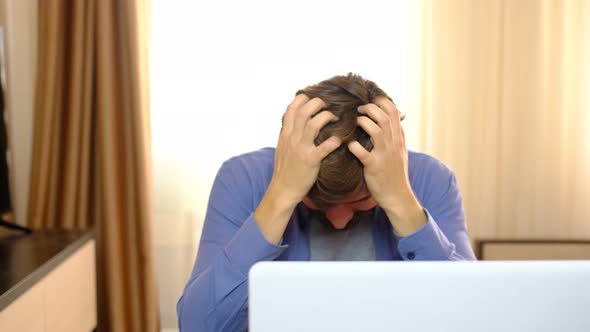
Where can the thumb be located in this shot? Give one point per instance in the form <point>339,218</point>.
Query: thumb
<point>360,152</point>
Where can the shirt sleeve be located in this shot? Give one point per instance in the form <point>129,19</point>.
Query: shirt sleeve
<point>216,295</point>
<point>444,236</point>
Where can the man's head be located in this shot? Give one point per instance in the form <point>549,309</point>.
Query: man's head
<point>340,189</point>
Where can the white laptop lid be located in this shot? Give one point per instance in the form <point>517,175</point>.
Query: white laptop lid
<point>420,296</point>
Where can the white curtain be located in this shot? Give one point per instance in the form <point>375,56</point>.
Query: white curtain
<point>505,104</point>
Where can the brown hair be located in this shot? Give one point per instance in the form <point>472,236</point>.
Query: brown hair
<point>341,173</point>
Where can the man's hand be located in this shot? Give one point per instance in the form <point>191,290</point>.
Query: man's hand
<point>297,159</point>
<point>386,166</point>
<point>297,163</point>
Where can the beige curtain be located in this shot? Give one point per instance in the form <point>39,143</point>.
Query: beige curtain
<point>91,154</point>
<point>505,105</point>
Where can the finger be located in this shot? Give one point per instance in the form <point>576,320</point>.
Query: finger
<point>373,130</point>
<point>289,116</point>
<point>313,126</point>
<point>403,136</point>
<point>299,100</point>
<point>385,104</point>
<point>378,115</point>
<point>327,147</point>
<point>389,107</point>
<point>361,153</point>
<point>305,112</point>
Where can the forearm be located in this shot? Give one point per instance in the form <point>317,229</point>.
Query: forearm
<point>217,289</point>
<point>272,215</point>
<point>214,300</point>
<point>407,216</point>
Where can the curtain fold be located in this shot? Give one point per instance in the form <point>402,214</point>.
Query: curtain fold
<point>503,104</point>
<point>91,153</point>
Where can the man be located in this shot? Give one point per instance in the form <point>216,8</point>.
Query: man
<point>340,185</point>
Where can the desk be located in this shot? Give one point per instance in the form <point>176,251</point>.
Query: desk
<point>532,249</point>
<point>48,281</point>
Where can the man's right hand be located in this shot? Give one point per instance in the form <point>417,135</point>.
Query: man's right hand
<point>297,163</point>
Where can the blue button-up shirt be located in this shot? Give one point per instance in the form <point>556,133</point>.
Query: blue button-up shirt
<point>216,295</point>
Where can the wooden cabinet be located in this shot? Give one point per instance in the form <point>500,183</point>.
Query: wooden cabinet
<point>61,295</point>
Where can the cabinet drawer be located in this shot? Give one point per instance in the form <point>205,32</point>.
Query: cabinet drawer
<point>25,314</point>
<point>70,293</point>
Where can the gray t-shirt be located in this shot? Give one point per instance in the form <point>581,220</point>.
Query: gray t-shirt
<point>353,243</point>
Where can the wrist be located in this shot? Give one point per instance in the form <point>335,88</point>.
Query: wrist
<point>402,204</point>
<point>272,215</point>
<point>279,198</point>
<point>406,215</point>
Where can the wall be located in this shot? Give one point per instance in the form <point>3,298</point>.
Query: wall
<point>221,81</point>
<point>19,21</point>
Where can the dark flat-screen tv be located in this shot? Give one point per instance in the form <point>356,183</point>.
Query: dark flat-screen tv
<point>5,203</point>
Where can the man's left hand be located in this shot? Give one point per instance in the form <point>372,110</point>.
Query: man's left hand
<point>386,166</point>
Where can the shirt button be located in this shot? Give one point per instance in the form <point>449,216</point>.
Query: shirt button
<point>411,255</point>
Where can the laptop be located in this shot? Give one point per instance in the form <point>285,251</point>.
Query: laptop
<point>534,296</point>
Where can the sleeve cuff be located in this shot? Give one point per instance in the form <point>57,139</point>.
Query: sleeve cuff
<point>249,246</point>
<point>428,243</point>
